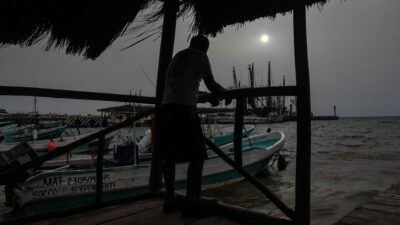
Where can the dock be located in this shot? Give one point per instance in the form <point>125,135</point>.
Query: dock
<point>384,209</point>
<point>142,212</point>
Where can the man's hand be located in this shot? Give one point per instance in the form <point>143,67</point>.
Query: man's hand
<point>214,102</point>
<point>228,101</point>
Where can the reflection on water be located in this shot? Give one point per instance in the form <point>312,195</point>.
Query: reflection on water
<point>352,159</point>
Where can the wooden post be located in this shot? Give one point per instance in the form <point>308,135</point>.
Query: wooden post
<point>99,169</point>
<point>166,51</point>
<point>237,133</point>
<point>303,156</point>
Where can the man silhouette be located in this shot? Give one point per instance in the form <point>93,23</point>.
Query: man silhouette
<point>180,133</point>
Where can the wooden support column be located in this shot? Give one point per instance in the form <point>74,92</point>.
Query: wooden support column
<point>237,134</point>
<point>99,169</point>
<point>166,51</point>
<point>303,156</point>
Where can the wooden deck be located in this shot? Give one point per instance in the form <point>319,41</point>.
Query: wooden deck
<point>143,212</point>
<point>384,209</point>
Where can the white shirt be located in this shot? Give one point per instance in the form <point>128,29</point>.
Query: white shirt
<point>186,70</point>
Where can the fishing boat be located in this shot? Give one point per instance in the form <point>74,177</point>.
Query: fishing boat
<point>59,190</point>
<point>18,129</point>
<point>7,125</point>
<point>43,146</point>
<point>225,135</point>
<point>45,134</point>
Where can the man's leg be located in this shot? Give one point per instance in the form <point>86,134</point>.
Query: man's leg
<point>194,175</point>
<point>169,179</point>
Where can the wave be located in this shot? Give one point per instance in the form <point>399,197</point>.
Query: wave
<point>355,145</point>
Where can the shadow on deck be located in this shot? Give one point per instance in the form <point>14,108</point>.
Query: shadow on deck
<point>143,212</point>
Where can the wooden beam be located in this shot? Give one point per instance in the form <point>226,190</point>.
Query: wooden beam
<point>69,94</point>
<point>303,155</point>
<point>270,195</point>
<point>85,95</point>
<point>166,50</point>
<point>99,170</point>
<point>238,130</point>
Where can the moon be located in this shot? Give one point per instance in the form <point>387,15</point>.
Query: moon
<point>264,38</point>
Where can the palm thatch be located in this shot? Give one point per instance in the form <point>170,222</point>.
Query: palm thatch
<point>88,27</point>
<point>210,17</point>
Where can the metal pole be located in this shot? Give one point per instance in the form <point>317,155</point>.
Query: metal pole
<point>303,156</point>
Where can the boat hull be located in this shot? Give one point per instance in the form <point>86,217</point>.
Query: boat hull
<point>50,191</point>
<point>42,135</point>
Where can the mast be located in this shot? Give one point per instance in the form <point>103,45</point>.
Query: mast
<point>235,83</point>
<point>269,100</point>
<point>283,97</point>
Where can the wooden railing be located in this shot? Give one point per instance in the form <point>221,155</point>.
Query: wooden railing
<point>239,94</point>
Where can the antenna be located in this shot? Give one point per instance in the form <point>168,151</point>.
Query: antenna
<point>147,76</point>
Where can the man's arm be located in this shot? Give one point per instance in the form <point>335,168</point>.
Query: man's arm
<point>212,85</point>
<point>215,88</point>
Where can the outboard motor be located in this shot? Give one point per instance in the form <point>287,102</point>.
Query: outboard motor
<point>123,155</point>
<point>20,154</point>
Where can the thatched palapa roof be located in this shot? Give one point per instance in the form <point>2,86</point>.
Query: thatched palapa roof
<point>88,27</point>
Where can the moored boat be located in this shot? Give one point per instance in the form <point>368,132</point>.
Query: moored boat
<point>42,146</point>
<point>45,134</point>
<point>225,135</point>
<point>57,190</point>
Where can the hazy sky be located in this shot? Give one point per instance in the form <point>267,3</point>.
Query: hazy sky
<point>354,59</point>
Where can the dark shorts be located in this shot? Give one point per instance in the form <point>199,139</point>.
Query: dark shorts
<point>180,134</point>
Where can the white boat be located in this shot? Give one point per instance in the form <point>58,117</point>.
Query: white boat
<point>225,135</point>
<point>60,190</point>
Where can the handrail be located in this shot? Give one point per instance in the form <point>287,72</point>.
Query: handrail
<point>70,94</point>
<point>230,94</point>
<point>62,150</point>
<point>85,95</point>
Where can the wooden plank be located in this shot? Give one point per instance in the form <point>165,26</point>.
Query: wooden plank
<point>151,217</point>
<point>386,201</point>
<point>102,215</point>
<point>56,93</point>
<point>215,220</point>
<point>389,195</point>
<point>375,216</point>
<point>394,189</point>
<point>356,221</point>
<point>382,208</point>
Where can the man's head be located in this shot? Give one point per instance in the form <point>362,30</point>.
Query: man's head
<point>199,42</point>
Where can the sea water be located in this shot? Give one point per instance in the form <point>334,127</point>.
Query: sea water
<point>352,159</point>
